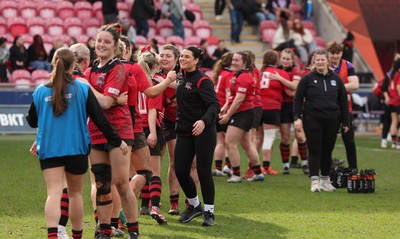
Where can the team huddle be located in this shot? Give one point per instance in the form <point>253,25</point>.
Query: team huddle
<point>137,110</point>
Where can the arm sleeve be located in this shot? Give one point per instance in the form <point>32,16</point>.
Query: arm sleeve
<point>207,94</point>
<point>32,116</point>
<point>299,98</point>
<point>96,113</point>
<point>343,104</point>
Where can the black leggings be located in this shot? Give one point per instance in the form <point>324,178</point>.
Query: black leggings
<point>202,147</point>
<point>321,137</point>
<point>350,144</point>
<point>219,7</point>
<point>387,121</point>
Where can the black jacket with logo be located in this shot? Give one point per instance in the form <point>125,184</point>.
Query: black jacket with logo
<point>196,100</point>
<point>322,96</point>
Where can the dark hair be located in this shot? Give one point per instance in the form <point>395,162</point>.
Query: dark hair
<point>114,29</point>
<point>270,57</point>
<point>334,47</point>
<point>225,61</point>
<point>197,54</point>
<point>59,78</point>
<point>16,39</point>
<point>247,59</point>
<point>289,51</point>
<point>38,46</point>
<point>252,56</point>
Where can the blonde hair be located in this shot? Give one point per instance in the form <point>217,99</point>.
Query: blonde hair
<point>149,63</point>
<point>81,53</point>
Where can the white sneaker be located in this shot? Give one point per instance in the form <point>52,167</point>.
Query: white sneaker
<point>315,186</point>
<point>62,232</point>
<point>383,144</point>
<point>256,177</point>
<point>218,17</point>
<point>325,184</point>
<point>235,179</point>
<point>393,145</point>
<point>218,173</point>
<point>227,170</point>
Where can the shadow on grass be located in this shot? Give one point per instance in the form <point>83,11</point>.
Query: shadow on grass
<point>226,226</point>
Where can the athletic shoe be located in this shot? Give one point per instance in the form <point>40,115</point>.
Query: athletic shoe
<point>102,236</point>
<point>295,165</point>
<point>337,162</point>
<point>190,213</point>
<point>156,215</point>
<point>218,17</point>
<point>256,177</point>
<point>384,144</point>
<point>227,170</point>
<point>393,145</point>
<point>62,232</point>
<point>326,185</point>
<point>306,170</point>
<point>397,146</point>
<point>249,173</point>
<point>269,171</point>
<point>144,211</point>
<point>116,232</point>
<point>286,170</point>
<point>174,209</point>
<point>234,179</point>
<point>315,186</point>
<point>133,235</point>
<point>218,173</point>
<point>208,219</point>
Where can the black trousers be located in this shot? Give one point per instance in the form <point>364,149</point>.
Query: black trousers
<point>202,147</point>
<point>350,144</point>
<point>321,137</point>
<point>219,7</point>
<point>386,122</point>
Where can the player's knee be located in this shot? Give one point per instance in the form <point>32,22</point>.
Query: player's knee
<point>102,174</point>
<point>147,174</point>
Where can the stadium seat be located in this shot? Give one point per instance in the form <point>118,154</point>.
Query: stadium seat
<point>10,40</point>
<point>296,9</point>
<point>320,42</point>
<point>140,41</point>
<point>3,26</point>
<point>36,26</point>
<point>82,39</point>
<point>202,28</point>
<point>308,24</point>
<point>73,26</point>
<point>91,26</point>
<point>160,39</point>
<point>165,27</point>
<point>177,41</point>
<point>267,30</point>
<point>123,10</point>
<point>83,10</point>
<point>17,26</point>
<point>188,27</point>
<point>193,40</point>
<point>8,9</point>
<point>97,12</point>
<point>47,42</point>
<point>55,26</point>
<point>267,24</point>
<point>28,40</point>
<point>212,44</point>
<point>21,78</point>
<point>46,9</point>
<point>187,1</point>
<point>152,28</point>
<point>65,9</point>
<point>27,9</point>
<point>195,9</point>
<point>40,76</point>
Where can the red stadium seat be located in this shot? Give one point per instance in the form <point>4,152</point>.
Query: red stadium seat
<point>8,9</point>
<point>296,9</point>
<point>202,28</point>
<point>28,40</point>
<point>91,26</point>
<point>160,39</point>
<point>123,10</point>
<point>3,26</point>
<point>17,26</point>
<point>97,13</point>
<point>140,41</point>
<point>193,40</point>
<point>267,30</point>
<point>73,26</point>
<point>195,9</point>
<point>83,10</point>
<point>267,24</point>
<point>21,78</point>
<point>152,27</point>
<point>47,42</point>
<point>321,44</point>
<point>55,26</point>
<point>177,41</point>
<point>165,27</point>
<point>187,1</point>
<point>36,25</point>
<point>46,9</point>
<point>308,24</point>
<point>27,9</point>
<point>188,27</point>
<point>40,76</point>
<point>82,39</point>
<point>65,9</point>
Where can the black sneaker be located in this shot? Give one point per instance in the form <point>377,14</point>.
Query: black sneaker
<point>208,219</point>
<point>102,236</point>
<point>190,213</point>
<point>134,235</point>
<point>295,165</point>
<point>286,170</point>
<point>306,170</point>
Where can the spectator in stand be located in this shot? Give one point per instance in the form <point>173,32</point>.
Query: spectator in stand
<point>348,45</point>
<point>128,30</point>
<point>58,43</point>
<point>173,10</point>
<point>142,11</point>
<point>110,11</point>
<point>221,50</point>
<point>4,55</point>
<point>283,37</point>
<point>208,61</point>
<point>72,41</point>
<point>236,16</point>
<point>250,8</point>
<point>281,9</point>
<point>154,45</point>
<point>303,40</point>
<point>265,12</point>
<point>219,8</point>
<point>18,54</point>
<point>90,44</point>
<point>37,56</point>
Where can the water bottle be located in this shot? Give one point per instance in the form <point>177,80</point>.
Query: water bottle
<point>371,180</point>
<point>353,181</point>
<point>339,177</point>
<point>363,182</point>
<point>346,172</point>
<point>309,9</point>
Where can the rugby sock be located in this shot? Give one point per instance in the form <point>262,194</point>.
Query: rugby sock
<point>294,160</point>
<point>155,191</point>
<point>394,139</point>
<point>145,194</point>
<point>218,164</point>
<point>132,227</point>
<point>77,234</point>
<point>236,171</point>
<point>174,198</point>
<point>228,162</point>
<point>285,151</point>
<point>96,216</point>
<point>114,222</point>
<point>52,233</point>
<point>256,169</point>
<point>64,208</point>
<point>303,150</point>
<point>105,228</point>
<point>194,201</point>
<point>266,164</point>
<point>209,207</point>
